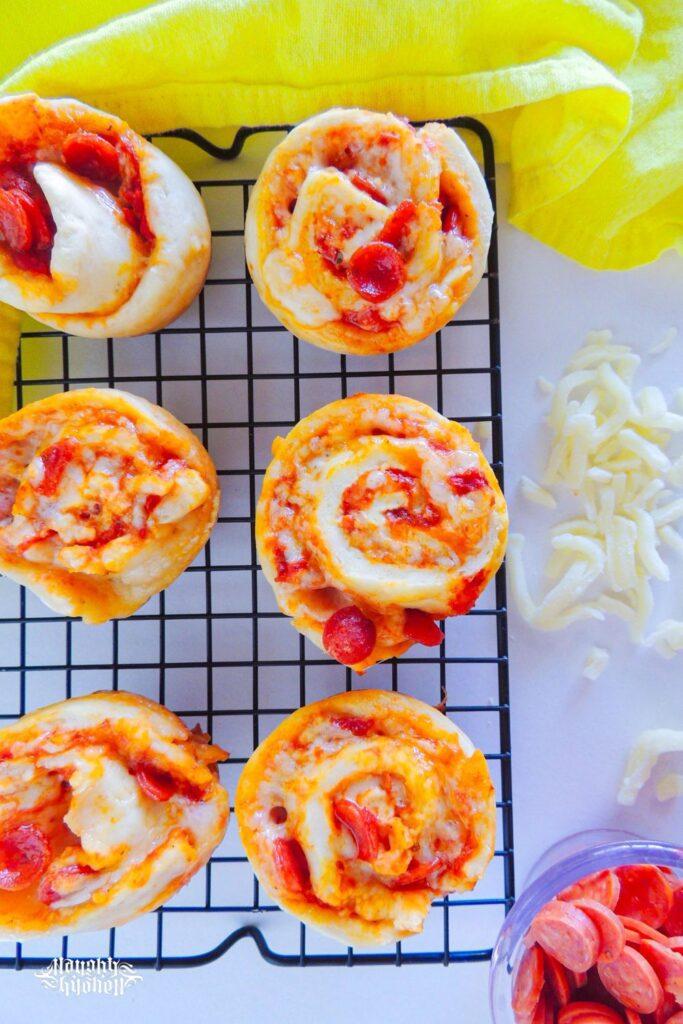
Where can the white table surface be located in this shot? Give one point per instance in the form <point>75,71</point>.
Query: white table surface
<point>570,737</point>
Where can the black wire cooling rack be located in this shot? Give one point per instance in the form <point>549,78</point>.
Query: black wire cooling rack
<point>213,647</point>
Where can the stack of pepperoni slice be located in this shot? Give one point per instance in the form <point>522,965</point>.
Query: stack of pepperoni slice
<point>607,950</point>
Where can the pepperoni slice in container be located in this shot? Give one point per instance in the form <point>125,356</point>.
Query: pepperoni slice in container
<point>676,1019</point>
<point>668,966</point>
<point>612,931</point>
<point>558,979</point>
<point>421,628</point>
<point>674,922</point>
<point>566,933</point>
<point>376,271</point>
<point>363,826</point>
<point>638,931</point>
<point>588,1013</point>
<point>632,981</point>
<point>349,636</point>
<point>291,864</point>
<point>603,886</point>
<point>528,983</point>
<point>24,855</point>
<point>645,894</point>
<point>579,978</point>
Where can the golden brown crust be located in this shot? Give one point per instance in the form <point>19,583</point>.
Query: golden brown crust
<point>172,268</point>
<point>72,757</point>
<point>291,242</point>
<point>318,559</point>
<point>343,745</point>
<point>163,555</point>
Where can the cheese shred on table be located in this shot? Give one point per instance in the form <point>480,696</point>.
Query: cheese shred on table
<point>609,450</point>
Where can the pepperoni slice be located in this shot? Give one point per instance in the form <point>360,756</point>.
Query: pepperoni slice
<point>367,319</point>
<point>362,825</point>
<point>155,783</point>
<point>528,983</point>
<point>676,1019</point>
<point>673,925</point>
<point>62,882</point>
<point>569,935</point>
<point>421,628</point>
<point>92,156</point>
<point>349,636</point>
<point>668,966</point>
<point>292,866</point>
<point>450,218</point>
<point>353,723</point>
<point>612,932</point>
<point>24,855</point>
<point>665,1010</point>
<point>376,271</point>
<point>366,186</point>
<point>55,459</point>
<point>602,886</point>
<point>16,229</point>
<point>645,894</point>
<point>39,218</point>
<point>558,979</point>
<point>467,481</point>
<point>588,1013</point>
<point>632,981</point>
<point>397,225</point>
<point>641,931</point>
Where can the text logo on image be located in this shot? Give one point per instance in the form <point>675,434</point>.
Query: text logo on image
<point>101,977</point>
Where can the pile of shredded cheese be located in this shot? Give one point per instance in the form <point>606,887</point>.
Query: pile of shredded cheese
<point>648,748</point>
<point>609,450</point>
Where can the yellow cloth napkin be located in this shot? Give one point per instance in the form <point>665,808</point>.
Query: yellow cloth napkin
<point>582,96</point>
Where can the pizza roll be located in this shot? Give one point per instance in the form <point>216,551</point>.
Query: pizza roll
<point>104,500</point>
<point>378,516</point>
<point>108,805</point>
<point>101,233</point>
<point>364,235</point>
<point>359,810</point>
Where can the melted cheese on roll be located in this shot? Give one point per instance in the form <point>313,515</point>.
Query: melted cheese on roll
<point>378,516</point>
<point>104,500</point>
<point>100,233</point>
<point>364,235</point>
<point>358,811</point>
<point>108,805</point>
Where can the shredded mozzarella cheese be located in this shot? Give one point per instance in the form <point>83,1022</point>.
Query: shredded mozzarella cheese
<point>608,450</point>
<point>596,663</point>
<point>538,495</point>
<point>649,747</point>
<point>669,786</point>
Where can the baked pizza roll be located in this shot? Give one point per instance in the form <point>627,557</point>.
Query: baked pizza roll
<point>104,500</point>
<point>101,233</point>
<point>108,805</point>
<point>378,516</point>
<point>358,811</point>
<point>363,234</point>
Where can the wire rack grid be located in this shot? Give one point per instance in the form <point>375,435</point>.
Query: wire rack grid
<point>214,647</point>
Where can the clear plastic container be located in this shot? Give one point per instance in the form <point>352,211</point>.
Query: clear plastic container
<point>566,862</point>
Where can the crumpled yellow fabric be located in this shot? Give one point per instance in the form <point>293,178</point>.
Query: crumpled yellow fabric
<point>583,96</point>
